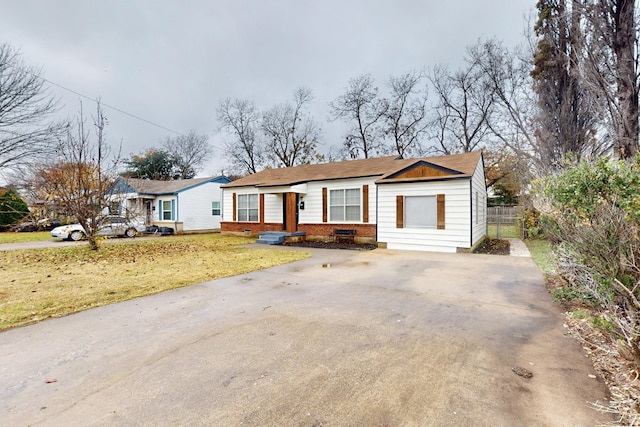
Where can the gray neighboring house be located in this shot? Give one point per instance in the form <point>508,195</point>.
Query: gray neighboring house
<point>185,205</point>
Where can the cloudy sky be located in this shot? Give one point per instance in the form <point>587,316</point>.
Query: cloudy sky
<point>171,62</point>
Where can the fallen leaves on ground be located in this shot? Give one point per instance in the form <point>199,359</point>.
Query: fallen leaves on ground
<point>620,377</point>
<point>494,247</point>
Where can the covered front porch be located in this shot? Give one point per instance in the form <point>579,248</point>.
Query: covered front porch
<point>281,205</point>
<point>273,209</point>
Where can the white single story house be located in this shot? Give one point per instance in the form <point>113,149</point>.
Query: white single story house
<point>429,204</point>
<point>184,205</point>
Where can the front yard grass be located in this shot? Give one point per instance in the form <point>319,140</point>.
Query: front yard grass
<point>13,237</point>
<point>41,283</point>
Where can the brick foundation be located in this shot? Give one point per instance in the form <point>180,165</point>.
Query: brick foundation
<point>253,227</point>
<point>365,233</point>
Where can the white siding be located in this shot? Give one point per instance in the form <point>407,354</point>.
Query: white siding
<point>194,207</point>
<point>312,213</point>
<point>272,204</point>
<point>227,204</point>
<point>227,200</point>
<point>457,232</point>
<point>273,208</point>
<point>479,189</point>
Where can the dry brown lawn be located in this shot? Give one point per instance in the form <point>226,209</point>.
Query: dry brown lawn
<point>36,236</point>
<point>43,283</point>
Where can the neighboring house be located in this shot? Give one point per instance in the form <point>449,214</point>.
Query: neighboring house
<point>184,205</point>
<point>431,204</point>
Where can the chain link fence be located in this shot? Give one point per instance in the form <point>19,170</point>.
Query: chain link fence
<point>504,222</point>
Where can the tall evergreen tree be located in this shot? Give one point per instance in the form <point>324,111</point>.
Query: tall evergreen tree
<point>565,117</point>
<point>12,208</point>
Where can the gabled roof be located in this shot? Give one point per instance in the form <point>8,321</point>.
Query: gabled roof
<point>388,169</point>
<point>156,188</point>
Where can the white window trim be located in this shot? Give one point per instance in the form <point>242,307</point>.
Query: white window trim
<point>218,208</point>
<point>345,205</point>
<point>166,210</point>
<point>248,209</point>
<point>409,223</point>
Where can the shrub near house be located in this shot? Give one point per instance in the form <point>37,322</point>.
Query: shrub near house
<point>594,211</point>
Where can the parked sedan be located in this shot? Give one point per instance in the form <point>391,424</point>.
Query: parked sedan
<point>112,226</point>
<point>45,224</point>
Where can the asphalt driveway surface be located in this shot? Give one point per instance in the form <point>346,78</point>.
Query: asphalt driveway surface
<point>380,338</point>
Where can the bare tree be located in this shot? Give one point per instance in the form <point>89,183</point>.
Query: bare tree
<point>611,51</point>
<point>80,179</point>
<point>25,106</point>
<point>361,107</point>
<point>509,74</point>
<point>464,107</point>
<point>240,118</point>
<point>291,134</point>
<point>190,152</point>
<point>405,118</point>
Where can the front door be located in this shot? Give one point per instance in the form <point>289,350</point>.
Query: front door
<point>290,212</point>
<point>149,216</point>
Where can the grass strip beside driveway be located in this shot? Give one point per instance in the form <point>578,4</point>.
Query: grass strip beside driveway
<point>36,236</point>
<point>541,253</point>
<point>42,283</point>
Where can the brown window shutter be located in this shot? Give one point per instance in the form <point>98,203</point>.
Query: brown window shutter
<point>234,207</point>
<point>365,203</point>
<point>261,213</point>
<point>324,204</point>
<point>399,212</point>
<point>440,213</point>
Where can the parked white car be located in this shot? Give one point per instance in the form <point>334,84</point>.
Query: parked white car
<point>112,226</point>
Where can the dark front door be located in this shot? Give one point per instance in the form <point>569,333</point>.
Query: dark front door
<point>290,212</point>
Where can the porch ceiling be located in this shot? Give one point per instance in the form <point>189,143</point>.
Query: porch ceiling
<point>297,188</point>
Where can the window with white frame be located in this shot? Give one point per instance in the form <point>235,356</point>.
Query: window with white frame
<point>166,210</point>
<point>344,205</point>
<point>420,211</point>
<point>248,207</point>
<point>215,208</point>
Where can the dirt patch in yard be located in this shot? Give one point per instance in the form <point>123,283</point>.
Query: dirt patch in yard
<point>494,247</point>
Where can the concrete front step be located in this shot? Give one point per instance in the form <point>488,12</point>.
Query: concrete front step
<point>276,237</point>
<point>271,240</point>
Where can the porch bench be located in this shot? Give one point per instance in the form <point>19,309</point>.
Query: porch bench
<point>343,234</point>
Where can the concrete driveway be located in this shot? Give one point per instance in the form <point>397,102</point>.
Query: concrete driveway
<point>381,338</point>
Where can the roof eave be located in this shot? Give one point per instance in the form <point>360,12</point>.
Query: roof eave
<point>384,181</point>
<point>283,184</point>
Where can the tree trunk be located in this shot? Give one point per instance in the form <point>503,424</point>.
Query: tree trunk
<point>624,47</point>
<point>93,243</point>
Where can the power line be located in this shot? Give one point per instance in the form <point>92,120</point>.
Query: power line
<point>100,102</point>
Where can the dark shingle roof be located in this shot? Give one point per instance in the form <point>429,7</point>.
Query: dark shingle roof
<point>153,187</point>
<point>383,167</point>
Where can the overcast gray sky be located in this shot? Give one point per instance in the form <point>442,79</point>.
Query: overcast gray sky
<point>171,62</point>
